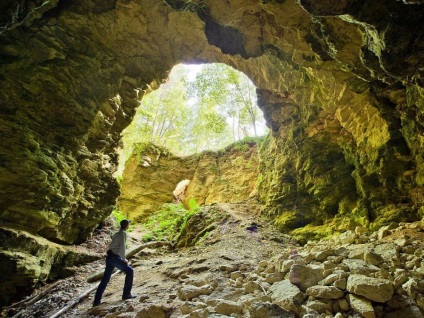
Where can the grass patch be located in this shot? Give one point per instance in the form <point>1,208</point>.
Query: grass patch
<point>168,222</point>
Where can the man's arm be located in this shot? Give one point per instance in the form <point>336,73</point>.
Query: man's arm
<point>122,246</point>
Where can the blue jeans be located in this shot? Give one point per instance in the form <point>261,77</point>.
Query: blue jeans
<point>113,261</point>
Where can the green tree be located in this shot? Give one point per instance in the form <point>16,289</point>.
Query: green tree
<point>190,114</point>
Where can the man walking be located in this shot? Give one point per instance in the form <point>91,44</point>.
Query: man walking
<point>116,258</point>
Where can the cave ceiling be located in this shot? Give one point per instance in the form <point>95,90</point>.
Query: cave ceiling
<point>348,75</point>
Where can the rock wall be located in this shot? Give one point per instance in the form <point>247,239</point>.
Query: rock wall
<point>341,86</point>
<point>151,175</point>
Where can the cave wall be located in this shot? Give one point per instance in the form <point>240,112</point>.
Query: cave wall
<point>341,86</point>
<point>152,173</point>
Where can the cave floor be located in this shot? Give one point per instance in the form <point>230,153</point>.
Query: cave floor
<point>241,242</point>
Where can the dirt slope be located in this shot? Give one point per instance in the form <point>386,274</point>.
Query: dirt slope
<point>240,241</point>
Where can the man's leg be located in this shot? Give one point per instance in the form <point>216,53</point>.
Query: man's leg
<point>129,276</point>
<point>102,286</point>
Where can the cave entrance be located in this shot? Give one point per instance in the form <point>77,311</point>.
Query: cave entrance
<point>209,109</point>
<point>199,107</point>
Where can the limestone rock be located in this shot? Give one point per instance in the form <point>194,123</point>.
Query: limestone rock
<point>287,296</point>
<point>362,305</point>
<point>321,306</point>
<point>268,310</point>
<point>228,308</point>
<point>305,276</point>
<point>379,290</point>
<point>329,292</point>
<point>189,292</point>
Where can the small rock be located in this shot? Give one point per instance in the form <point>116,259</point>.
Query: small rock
<point>362,305</point>
<point>227,307</point>
<point>329,292</point>
<point>341,283</point>
<point>274,277</point>
<point>190,291</point>
<point>268,310</point>
<point>373,258</point>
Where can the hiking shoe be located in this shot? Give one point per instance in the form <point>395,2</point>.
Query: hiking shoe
<point>128,297</point>
<point>96,304</point>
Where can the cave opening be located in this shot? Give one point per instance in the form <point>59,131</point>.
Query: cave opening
<point>199,107</point>
<point>193,139</point>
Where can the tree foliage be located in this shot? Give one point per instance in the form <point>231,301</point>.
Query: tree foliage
<point>191,113</point>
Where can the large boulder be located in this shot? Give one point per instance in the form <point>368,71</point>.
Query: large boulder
<point>375,289</point>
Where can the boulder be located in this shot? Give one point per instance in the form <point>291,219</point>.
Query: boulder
<point>375,289</point>
<point>287,296</point>
<point>305,276</point>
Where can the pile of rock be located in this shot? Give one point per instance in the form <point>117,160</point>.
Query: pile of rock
<point>356,274</point>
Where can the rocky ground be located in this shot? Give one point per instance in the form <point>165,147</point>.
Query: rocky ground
<point>244,268</point>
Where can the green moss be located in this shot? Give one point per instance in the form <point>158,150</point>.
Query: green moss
<point>118,215</point>
<point>168,222</point>
<point>394,214</point>
<point>313,232</point>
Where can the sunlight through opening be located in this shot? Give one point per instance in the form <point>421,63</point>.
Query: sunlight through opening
<point>200,107</point>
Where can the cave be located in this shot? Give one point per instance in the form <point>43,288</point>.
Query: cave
<point>341,87</point>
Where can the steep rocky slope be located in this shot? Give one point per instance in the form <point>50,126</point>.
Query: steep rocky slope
<point>341,87</point>
<point>245,268</point>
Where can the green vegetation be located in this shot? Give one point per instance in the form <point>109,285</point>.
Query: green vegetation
<point>118,215</point>
<point>168,222</point>
<point>205,109</point>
